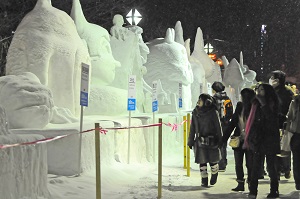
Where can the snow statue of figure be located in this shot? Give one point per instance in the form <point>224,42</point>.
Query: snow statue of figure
<point>168,62</point>
<point>105,97</point>
<point>249,75</point>
<point>118,31</point>
<point>234,77</point>
<point>186,89</point>
<point>23,171</point>
<point>47,44</point>
<point>212,69</point>
<point>132,53</point>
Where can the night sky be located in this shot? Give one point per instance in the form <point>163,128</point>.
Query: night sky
<point>236,22</point>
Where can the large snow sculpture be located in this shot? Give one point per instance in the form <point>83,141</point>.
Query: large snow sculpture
<point>186,89</point>
<point>28,103</point>
<point>233,76</point>
<point>23,171</point>
<point>168,61</point>
<point>104,99</point>
<point>47,44</point>
<point>212,69</point>
<point>130,50</point>
<point>249,75</point>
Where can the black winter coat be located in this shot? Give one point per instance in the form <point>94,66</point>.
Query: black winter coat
<point>285,96</point>
<point>264,136</point>
<point>234,125</point>
<point>205,122</point>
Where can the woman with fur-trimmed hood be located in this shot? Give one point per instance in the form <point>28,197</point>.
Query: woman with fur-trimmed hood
<point>206,137</point>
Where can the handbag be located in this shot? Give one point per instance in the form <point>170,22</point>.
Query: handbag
<point>234,141</point>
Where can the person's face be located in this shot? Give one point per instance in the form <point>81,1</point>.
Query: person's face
<point>273,82</point>
<point>260,91</point>
<point>200,103</point>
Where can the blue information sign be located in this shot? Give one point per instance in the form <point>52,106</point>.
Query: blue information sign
<point>131,104</point>
<point>84,98</point>
<point>154,106</point>
<point>180,102</point>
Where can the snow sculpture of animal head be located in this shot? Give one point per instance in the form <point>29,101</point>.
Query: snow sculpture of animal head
<point>168,61</point>
<point>47,44</point>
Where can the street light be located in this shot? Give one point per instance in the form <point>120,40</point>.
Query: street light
<point>208,48</point>
<point>134,17</point>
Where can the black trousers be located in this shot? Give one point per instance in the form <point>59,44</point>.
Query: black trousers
<point>272,167</point>
<point>239,154</point>
<point>295,147</point>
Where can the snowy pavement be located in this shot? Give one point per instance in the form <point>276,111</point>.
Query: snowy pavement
<point>139,181</point>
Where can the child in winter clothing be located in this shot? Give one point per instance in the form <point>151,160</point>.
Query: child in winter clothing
<point>206,137</point>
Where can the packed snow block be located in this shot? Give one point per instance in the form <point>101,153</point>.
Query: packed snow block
<point>63,154</point>
<point>23,170</point>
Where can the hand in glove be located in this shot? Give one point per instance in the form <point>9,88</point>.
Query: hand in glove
<point>261,100</point>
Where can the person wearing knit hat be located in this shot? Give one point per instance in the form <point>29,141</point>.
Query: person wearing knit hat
<point>218,87</point>
<point>225,114</point>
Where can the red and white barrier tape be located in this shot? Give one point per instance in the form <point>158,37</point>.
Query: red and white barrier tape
<point>101,130</point>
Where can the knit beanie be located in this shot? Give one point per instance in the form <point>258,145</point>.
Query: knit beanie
<point>218,86</point>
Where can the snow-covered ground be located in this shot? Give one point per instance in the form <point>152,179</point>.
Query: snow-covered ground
<point>139,181</point>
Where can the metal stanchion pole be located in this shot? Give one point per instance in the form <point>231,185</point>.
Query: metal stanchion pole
<point>184,142</point>
<point>159,158</point>
<point>188,171</point>
<point>97,159</point>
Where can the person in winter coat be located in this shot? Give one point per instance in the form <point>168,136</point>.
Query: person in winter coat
<point>262,137</point>
<point>238,123</point>
<point>293,119</point>
<point>220,95</point>
<point>277,80</point>
<point>206,136</point>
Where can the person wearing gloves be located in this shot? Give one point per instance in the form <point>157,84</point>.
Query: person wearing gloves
<point>262,137</point>
<point>237,126</point>
<point>205,137</point>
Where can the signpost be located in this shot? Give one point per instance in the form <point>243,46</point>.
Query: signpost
<point>131,106</point>
<point>154,109</point>
<point>180,95</point>
<point>84,99</point>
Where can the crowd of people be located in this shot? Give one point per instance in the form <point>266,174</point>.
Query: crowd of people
<point>265,113</point>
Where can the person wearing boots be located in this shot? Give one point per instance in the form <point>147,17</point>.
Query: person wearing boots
<point>220,95</point>
<point>237,125</point>
<point>205,137</point>
<point>262,137</point>
<point>277,80</point>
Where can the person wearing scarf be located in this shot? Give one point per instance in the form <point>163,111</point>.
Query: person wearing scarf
<point>262,138</point>
<point>205,137</point>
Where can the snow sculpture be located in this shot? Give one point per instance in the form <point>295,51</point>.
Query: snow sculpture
<point>131,51</point>
<point>233,76</point>
<point>118,31</point>
<point>28,103</point>
<point>168,62</point>
<point>186,89</point>
<point>23,171</point>
<point>249,75</point>
<point>47,44</point>
<point>104,99</point>
<point>212,70</point>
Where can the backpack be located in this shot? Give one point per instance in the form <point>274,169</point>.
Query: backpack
<point>226,110</point>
